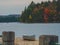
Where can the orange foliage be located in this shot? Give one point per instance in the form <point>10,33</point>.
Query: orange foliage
<point>46,11</point>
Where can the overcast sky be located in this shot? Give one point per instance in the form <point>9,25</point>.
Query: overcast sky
<point>14,6</point>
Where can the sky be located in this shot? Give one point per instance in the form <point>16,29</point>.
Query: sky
<point>14,6</point>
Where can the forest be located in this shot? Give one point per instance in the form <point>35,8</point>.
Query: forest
<point>44,12</point>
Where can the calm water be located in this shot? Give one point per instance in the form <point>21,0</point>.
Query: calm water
<point>38,29</point>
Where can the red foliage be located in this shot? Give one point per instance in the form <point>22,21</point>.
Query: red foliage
<point>46,11</point>
<point>45,18</point>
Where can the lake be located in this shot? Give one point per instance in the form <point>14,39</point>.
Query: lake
<point>36,29</point>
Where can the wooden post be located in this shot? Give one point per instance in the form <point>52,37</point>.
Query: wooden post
<point>8,38</point>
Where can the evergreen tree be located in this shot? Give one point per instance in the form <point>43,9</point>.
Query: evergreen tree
<point>58,5</point>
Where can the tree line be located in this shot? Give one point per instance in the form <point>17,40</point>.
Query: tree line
<point>9,18</point>
<point>44,12</point>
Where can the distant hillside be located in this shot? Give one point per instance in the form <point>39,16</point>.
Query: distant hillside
<point>44,12</point>
<point>9,18</point>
